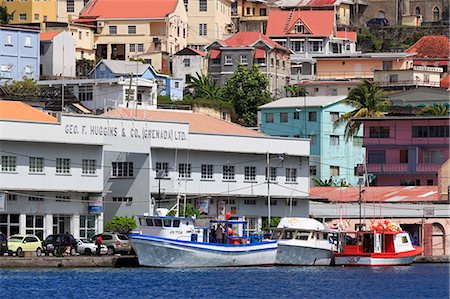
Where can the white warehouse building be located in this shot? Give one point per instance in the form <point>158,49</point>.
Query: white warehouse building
<point>74,173</point>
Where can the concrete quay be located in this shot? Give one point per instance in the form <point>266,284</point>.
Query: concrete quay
<point>68,262</point>
<point>433,259</point>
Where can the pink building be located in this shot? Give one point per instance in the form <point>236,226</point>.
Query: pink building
<point>406,150</point>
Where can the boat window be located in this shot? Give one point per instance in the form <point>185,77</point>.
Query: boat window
<point>176,223</point>
<point>149,222</point>
<point>302,236</point>
<point>288,235</point>
<point>276,234</point>
<point>158,222</point>
<point>404,240</point>
<point>167,222</point>
<point>142,221</point>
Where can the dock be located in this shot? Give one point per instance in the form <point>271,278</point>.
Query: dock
<point>69,262</point>
<point>433,259</point>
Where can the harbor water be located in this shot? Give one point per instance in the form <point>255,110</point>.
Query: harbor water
<point>415,281</point>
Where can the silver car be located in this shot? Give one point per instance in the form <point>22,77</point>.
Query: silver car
<point>86,247</point>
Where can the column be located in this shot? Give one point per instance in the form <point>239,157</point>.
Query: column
<point>48,224</point>
<point>75,225</point>
<point>99,223</point>
<point>22,223</point>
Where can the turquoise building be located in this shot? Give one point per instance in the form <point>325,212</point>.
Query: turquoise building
<point>312,117</point>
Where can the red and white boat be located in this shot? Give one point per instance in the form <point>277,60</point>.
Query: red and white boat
<point>384,245</point>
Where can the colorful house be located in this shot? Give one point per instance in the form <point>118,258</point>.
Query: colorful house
<point>26,12</point>
<point>57,54</point>
<point>312,117</point>
<point>107,69</point>
<point>432,51</point>
<point>406,150</point>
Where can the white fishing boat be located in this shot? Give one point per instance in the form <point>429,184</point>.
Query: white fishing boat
<point>177,242</point>
<point>303,242</point>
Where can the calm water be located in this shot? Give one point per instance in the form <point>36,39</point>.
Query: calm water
<point>416,281</point>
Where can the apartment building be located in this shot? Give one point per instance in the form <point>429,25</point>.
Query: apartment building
<point>251,16</point>
<point>25,12</point>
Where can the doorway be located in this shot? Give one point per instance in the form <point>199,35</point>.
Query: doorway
<point>61,224</point>
<point>438,240</point>
<point>403,156</point>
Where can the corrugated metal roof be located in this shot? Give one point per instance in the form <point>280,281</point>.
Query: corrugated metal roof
<point>125,67</point>
<point>308,101</point>
<point>130,9</point>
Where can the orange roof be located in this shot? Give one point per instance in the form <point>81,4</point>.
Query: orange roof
<point>376,194</point>
<point>198,123</point>
<point>351,35</point>
<point>48,36</point>
<point>201,53</point>
<point>245,39</point>
<point>319,22</point>
<point>131,9</point>
<point>21,111</point>
<point>432,46</point>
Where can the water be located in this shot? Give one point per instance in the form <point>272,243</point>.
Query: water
<point>416,281</point>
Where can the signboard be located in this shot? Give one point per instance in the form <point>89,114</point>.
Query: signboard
<point>95,204</point>
<point>2,202</point>
<point>428,212</point>
<point>428,69</point>
<point>203,205</point>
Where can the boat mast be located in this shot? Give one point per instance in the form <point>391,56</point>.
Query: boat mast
<point>268,189</point>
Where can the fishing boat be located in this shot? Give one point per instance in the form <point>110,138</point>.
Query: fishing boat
<point>303,242</point>
<point>384,245</point>
<point>179,242</point>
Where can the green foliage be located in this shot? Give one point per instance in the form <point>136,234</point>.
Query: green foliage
<point>330,182</point>
<point>368,101</point>
<point>247,90</point>
<point>25,88</point>
<point>84,67</point>
<point>191,212</point>
<point>204,87</point>
<point>121,224</point>
<point>366,34</point>
<point>215,104</point>
<point>295,91</point>
<point>165,100</point>
<point>436,110</point>
<point>274,221</point>
<point>5,17</point>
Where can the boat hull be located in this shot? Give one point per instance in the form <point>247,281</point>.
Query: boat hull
<point>303,256</point>
<point>160,252</point>
<point>400,259</point>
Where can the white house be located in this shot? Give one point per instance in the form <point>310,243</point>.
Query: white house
<point>57,54</point>
<point>188,62</point>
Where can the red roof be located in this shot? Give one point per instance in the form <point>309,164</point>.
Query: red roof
<point>351,35</point>
<point>432,46</point>
<point>318,22</point>
<point>260,53</point>
<point>317,3</point>
<point>48,36</point>
<point>385,194</point>
<point>245,39</point>
<point>445,82</point>
<point>198,122</point>
<point>132,9</point>
<point>215,54</point>
<point>431,62</point>
<point>203,54</point>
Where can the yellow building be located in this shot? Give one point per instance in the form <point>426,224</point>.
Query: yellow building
<point>31,11</point>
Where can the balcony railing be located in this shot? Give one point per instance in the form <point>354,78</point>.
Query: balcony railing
<point>427,167</point>
<point>388,168</point>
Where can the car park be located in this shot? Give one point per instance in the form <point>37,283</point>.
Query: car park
<point>116,243</point>
<point>59,244</point>
<point>3,244</point>
<point>18,244</point>
<point>86,247</point>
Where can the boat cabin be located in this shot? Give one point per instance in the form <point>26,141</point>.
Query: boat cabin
<point>372,242</point>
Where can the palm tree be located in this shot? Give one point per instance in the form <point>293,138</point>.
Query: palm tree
<point>295,91</point>
<point>204,87</point>
<point>436,110</point>
<point>368,101</point>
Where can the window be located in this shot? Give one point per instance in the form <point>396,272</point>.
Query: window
<point>313,139</point>
<point>203,5</point>
<point>203,29</point>
<point>62,165</point>
<point>312,116</point>
<point>376,156</point>
<point>291,175</point>
<point>184,170</point>
<point>85,93</point>
<point>248,11</point>
<point>228,60</point>
<point>23,17</point>
<point>9,224</point>
<point>272,202</point>
<point>216,61</point>
<point>357,141</point>
<point>122,199</point>
<point>140,47</point>
<point>296,115</point>
<point>70,5</point>
<point>298,46</point>
<point>439,131</point>
<point>187,62</point>
<point>334,140</point>
<point>334,170</point>
<point>387,65</point>
<point>393,78</point>
<point>9,163</point>
<point>420,131</point>
<point>244,59</point>
<point>207,171</point>
<point>334,116</point>
<point>436,14</point>
<point>88,166</point>
<point>269,118</point>
<point>45,18</point>
<point>62,198</point>
<point>162,166</point>
<point>313,170</point>
<point>433,156</point>
<point>36,165</point>
<point>288,202</point>
<point>299,27</point>
<point>379,132</point>
<point>261,61</point>
<point>35,198</point>
<point>112,29</point>
<point>316,46</point>
<point>34,225</point>
<point>284,117</point>
<point>263,12</point>
<point>250,202</point>
<point>272,174</point>
<point>87,226</point>
<point>429,182</point>
<point>132,47</point>
<point>250,173</point>
<point>228,172</point>
<point>28,41</point>
<point>36,17</point>
<point>8,40</point>
<point>131,29</point>
<point>176,84</point>
<point>186,4</point>
<point>122,169</point>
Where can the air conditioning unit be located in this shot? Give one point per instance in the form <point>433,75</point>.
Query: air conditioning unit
<point>100,24</point>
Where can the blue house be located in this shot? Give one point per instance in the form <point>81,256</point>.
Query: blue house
<point>313,117</point>
<point>19,53</point>
<point>107,69</point>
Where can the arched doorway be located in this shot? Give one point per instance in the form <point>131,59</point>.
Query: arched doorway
<point>418,11</point>
<point>436,14</point>
<point>438,239</point>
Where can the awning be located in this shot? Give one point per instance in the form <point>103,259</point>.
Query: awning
<point>260,53</point>
<point>215,54</point>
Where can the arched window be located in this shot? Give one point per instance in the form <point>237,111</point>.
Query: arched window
<point>438,239</point>
<point>380,14</point>
<point>417,11</point>
<point>436,14</point>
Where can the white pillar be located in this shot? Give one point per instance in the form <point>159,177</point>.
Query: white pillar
<point>75,225</point>
<point>22,223</point>
<point>48,225</point>
<point>99,223</point>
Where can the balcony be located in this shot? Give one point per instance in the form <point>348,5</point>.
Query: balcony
<point>427,167</point>
<point>388,168</point>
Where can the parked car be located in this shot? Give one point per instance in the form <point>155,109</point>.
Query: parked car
<point>86,247</point>
<point>57,243</point>
<point>377,22</point>
<point>18,244</point>
<point>116,243</point>
<point>3,244</point>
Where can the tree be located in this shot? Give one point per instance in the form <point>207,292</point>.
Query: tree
<point>191,212</point>
<point>247,90</point>
<point>295,91</point>
<point>330,182</point>
<point>368,101</point>
<point>121,224</point>
<point>436,110</point>
<point>274,221</point>
<point>26,88</point>
<point>5,17</point>
<point>204,87</point>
